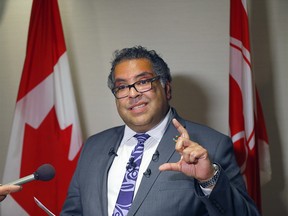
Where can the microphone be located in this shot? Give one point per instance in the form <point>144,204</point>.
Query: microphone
<point>155,156</point>
<point>147,173</point>
<point>45,172</point>
<point>112,152</point>
<point>131,164</point>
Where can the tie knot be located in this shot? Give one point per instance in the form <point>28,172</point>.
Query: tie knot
<point>141,137</point>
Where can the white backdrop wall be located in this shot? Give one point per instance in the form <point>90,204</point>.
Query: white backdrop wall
<point>192,36</point>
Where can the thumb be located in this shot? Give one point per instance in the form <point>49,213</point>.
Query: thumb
<point>169,167</point>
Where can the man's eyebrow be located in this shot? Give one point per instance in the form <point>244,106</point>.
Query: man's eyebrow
<point>142,74</point>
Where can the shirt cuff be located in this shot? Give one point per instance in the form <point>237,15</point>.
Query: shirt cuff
<point>206,191</point>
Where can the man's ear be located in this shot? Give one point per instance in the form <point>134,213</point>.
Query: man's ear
<point>168,90</point>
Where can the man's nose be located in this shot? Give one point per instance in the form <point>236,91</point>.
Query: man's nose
<point>133,92</point>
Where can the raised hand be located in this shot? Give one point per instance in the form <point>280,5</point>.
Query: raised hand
<point>194,159</point>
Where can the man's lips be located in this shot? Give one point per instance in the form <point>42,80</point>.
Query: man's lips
<point>137,106</point>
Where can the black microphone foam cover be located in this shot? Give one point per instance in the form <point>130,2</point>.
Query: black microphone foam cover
<point>45,172</point>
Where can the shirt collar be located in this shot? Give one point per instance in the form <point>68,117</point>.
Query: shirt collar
<point>156,132</point>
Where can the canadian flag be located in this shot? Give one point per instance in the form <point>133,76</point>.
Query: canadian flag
<point>247,126</point>
<point>46,125</point>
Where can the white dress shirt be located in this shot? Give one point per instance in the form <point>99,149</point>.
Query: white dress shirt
<point>118,167</point>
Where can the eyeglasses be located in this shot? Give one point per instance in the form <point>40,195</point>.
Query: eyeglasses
<point>140,86</point>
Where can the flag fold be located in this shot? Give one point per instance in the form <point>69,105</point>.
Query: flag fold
<point>246,120</point>
<point>46,127</point>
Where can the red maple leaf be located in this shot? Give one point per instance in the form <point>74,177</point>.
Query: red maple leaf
<point>46,144</point>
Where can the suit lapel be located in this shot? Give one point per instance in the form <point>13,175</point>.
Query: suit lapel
<point>111,147</point>
<point>166,148</point>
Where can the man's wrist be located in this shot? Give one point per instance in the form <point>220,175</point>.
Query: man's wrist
<point>213,180</point>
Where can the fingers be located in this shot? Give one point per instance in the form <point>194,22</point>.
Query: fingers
<point>181,141</point>
<point>169,167</point>
<point>191,151</point>
<point>7,189</point>
<point>194,153</point>
<point>14,188</point>
<point>182,131</point>
<point>194,160</point>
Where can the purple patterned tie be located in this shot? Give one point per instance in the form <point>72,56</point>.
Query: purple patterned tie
<point>126,193</point>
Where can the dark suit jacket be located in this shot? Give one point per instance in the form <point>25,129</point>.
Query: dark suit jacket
<point>162,193</point>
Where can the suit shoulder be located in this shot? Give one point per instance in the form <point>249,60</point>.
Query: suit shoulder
<point>106,134</point>
<point>196,128</point>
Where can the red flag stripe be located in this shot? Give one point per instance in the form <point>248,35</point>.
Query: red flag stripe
<point>246,120</point>
<point>245,53</point>
<point>239,27</point>
<point>46,127</point>
<point>45,25</point>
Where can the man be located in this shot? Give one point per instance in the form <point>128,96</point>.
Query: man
<point>186,168</point>
<point>7,189</point>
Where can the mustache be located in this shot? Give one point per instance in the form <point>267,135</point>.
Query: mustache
<point>137,101</point>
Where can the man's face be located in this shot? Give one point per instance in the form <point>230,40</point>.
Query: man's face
<point>141,111</point>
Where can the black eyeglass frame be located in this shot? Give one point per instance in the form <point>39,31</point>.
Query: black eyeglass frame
<point>150,80</point>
